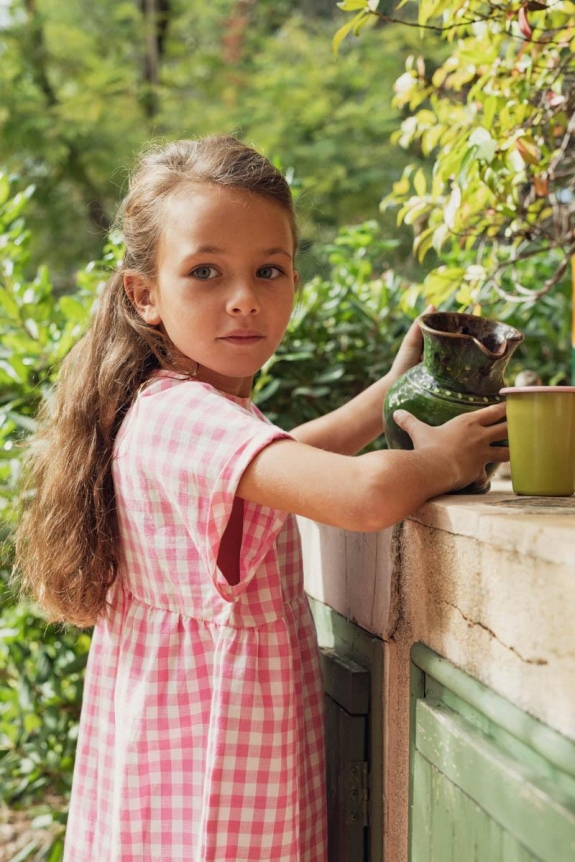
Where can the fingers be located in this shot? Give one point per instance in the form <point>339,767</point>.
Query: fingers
<point>499,453</point>
<point>494,433</point>
<point>491,414</point>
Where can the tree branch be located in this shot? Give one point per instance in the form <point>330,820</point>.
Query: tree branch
<point>39,66</point>
<point>522,292</point>
<point>467,22</point>
<point>156,14</point>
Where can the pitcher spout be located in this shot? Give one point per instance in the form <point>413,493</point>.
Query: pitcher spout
<point>468,352</point>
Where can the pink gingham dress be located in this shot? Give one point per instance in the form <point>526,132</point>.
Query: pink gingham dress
<point>201,735</point>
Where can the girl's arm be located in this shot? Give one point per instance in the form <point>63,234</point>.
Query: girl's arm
<point>373,491</point>
<point>351,427</point>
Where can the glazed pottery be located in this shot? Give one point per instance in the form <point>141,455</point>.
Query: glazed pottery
<point>464,360</point>
<point>541,423</point>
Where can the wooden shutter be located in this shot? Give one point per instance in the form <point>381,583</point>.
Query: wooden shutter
<point>489,783</point>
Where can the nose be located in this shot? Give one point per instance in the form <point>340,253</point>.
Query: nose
<point>243,299</point>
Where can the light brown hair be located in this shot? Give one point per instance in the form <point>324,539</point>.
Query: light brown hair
<point>67,543</point>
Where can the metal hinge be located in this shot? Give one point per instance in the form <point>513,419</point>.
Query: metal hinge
<point>358,795</point>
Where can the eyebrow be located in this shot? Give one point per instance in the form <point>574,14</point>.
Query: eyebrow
<point>214,249</point>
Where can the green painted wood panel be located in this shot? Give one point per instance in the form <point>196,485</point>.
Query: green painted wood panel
<point>350,643</point>
<point>519,749</point>
<point>494,709</point>
<point>522,801</point>
<point>483,791</point>
<point>346,744</point>
<point>421,806</point>
<point>448,826</point>
<point>346,681</point>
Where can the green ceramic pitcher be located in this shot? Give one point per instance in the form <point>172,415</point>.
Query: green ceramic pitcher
<point>464,360</point>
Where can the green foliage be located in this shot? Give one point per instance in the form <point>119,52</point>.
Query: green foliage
<point>41,666</point>
<point>78,99</point>
<point>345,332</point>
<point>497,120</point>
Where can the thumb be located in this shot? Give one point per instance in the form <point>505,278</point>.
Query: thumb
<point>404,419</point>
<point>407,422</point>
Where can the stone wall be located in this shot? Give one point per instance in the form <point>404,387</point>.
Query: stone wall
<point>487,582</point>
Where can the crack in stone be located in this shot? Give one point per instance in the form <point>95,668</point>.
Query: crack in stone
<point>375,569</point>
<point>535,661</point>
<point>397,601</point>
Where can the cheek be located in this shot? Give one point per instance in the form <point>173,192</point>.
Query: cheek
<point>182,308</point>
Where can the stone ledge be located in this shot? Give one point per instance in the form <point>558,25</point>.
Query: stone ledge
<point>540,527</point>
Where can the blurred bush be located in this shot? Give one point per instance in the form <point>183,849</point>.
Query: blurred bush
<point>41,666</point>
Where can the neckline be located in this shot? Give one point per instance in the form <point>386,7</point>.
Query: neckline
<point>164,374</point>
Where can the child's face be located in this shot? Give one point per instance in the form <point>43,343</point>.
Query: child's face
<point>225,283</point>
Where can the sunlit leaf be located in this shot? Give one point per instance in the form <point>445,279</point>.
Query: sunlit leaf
<point>348,27</point>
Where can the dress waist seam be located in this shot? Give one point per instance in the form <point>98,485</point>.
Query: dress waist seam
<point>228,623</point>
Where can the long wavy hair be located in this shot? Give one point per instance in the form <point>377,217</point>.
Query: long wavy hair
<point>67,542</point>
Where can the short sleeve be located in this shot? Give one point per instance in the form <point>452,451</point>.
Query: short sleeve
<point>203,443</point>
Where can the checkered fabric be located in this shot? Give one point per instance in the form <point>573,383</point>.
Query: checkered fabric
<point>201,738</point>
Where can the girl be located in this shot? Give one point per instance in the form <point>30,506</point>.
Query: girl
<point>161,515</point>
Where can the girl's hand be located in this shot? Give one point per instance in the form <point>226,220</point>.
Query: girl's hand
<point>409,354</point>
<point>463,445</point>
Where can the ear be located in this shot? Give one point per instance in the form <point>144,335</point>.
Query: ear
<point>142,295</point>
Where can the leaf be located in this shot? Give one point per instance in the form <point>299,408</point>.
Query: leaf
<point>484,143</point>
<point>346,29</point>
<point>523,22</point>
<point>489,111</point>
<point>401,187</point>
<point>25,422</point>
<point>73,309</point>
<point>423,243</point>
<point>419,182</point>
<point>42,821</point>
<point>452,207</point>
<point>4,188</point>
<point>415,208</point>
<point>351,5</point>
<point>528,150</point>
<point>31,328</point>
<point>331,374</point>
<point>14,370</point>
<point>267,391</point>
<point>467,161</point>
<point>26,852</point>
<point>439,236</point>
<point>9,304</point>
<point>311,391</point>
<point>442,282</point>
<point>541,185</point>
<point>56,851</point>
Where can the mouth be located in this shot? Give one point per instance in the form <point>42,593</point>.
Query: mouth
<point>242,338</point>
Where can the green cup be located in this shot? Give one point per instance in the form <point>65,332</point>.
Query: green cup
<point>541,431</point>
